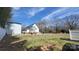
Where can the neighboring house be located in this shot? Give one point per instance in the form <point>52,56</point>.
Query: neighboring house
<point>13,28</point>
<point>31,29</point>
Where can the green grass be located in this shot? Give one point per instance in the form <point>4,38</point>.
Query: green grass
<point>43,39</point>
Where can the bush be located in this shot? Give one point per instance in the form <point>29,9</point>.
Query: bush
<point>70,47</point>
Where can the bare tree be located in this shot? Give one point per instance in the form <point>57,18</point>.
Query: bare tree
<point>57,24</point>
<point>71,22</point>
<point>44,26</point>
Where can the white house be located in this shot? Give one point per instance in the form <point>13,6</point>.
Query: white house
<point>31,29</point>
<point>13,28</point>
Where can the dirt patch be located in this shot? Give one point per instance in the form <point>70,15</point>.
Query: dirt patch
<point>48,47</point>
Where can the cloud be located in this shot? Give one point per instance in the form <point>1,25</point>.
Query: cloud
<point>16,8</point>
<point>73,11</point>
<point>54,13</point>
<point>33,11</point>
<point>62,12</point>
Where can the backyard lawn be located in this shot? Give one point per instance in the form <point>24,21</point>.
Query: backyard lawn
<point>33,42</point>
<point>43,39</point>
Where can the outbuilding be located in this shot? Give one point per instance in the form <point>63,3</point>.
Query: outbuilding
<point>13,28</point>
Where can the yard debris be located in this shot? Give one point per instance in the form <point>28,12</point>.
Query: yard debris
<point>48,47</point>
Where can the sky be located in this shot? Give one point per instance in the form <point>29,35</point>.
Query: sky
<point>31,15</point>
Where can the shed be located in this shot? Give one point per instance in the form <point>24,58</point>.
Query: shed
<point>13,28</point>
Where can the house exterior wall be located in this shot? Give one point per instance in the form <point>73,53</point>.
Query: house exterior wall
<point>32,29</point>
<point>2,33</point>
<point>28,31</point>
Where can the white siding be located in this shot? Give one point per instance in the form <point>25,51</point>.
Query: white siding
<point>2,33</point>
<point>34,28</point>
<point>14,29</point>
<point>27,31</point>
<point>74,34</point>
